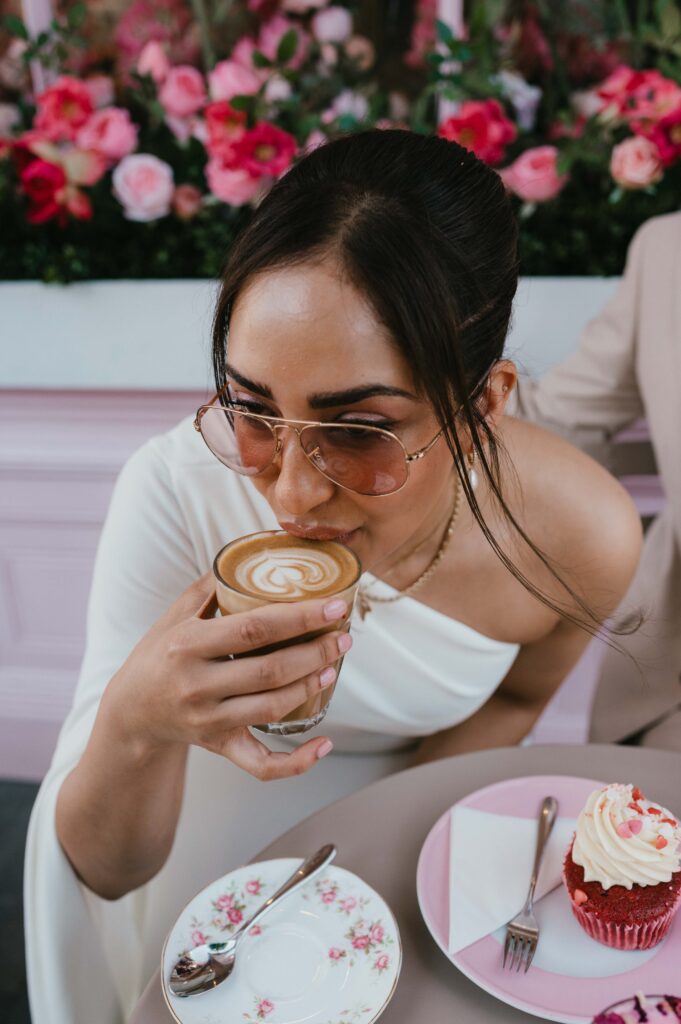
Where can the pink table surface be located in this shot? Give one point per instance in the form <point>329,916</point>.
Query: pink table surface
<point>379,832</point>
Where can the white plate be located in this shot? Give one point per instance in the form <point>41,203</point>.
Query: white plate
<point>328,954</point>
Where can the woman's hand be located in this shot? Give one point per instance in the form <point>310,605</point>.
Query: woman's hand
<point>179,687</point>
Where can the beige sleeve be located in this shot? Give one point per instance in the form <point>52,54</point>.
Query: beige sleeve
<point>594,393</point>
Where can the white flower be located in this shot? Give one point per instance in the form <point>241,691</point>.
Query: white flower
<point>523,96</point>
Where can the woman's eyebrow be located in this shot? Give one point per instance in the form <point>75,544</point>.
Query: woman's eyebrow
<point>326,399</point>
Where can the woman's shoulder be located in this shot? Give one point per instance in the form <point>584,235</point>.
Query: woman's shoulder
<point>576,511</point>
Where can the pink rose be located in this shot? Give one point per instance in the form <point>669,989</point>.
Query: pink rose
<point>228,79</point>
<point>13,69</point>
<point>360,941</point>
<point>361,50</point>
<point>335,953</point>
<point>255,930</point>
<point>235,916</point>
<point>533,176</point>
<point>101,90</point>
<point>109,132</point>
<point>153,61</point>
<point>376,933</point>
<point>143,185</point>
<point>272,33</point>
<point>232,186</point>
<point>183,91</point>
<point>253,887</point>
<point>636,163</point>
<point>348,904</point>
<point>198,937</point>
<point>382,962</point>
<point>186,201</point>
<point>328,896</point>
<point>314,139</point>
<point>242,53</point>
<point>226,901</point>
<point>223,126</point>
<point>332,25</point>
<point>63,109</point>
<point>264,1007</point>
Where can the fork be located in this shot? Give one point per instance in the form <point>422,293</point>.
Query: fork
<point>522,932</point>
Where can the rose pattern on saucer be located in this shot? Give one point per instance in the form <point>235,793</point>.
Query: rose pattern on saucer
<point>360,947</point>
<point>262,1010</point>
<point>231,908</point>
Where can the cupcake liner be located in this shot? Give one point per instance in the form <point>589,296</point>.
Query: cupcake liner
<point>633,935</point>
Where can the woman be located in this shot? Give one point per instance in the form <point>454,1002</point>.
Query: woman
<point>373,287</point>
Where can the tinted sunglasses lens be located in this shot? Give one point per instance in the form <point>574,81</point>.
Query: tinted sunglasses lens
<point>366,461</point>
<point>242,442</point>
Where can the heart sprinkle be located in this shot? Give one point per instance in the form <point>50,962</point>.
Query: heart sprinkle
<point>654,810</point>
<point>579,897</point>
<point>635,826</point>
<point>660,843</point>
<point>624,830</point>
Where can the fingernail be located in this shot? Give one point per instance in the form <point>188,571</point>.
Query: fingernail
<point>327,676</point>
<point>335,609</point>
<point>324,748</point>
<point>344,643</point>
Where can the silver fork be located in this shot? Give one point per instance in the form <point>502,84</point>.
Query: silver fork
<point>522,933</point>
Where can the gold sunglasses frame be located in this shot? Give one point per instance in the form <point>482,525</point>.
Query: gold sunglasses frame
<point>275,423</point>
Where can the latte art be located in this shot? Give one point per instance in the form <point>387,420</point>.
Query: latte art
<point>289,572</point>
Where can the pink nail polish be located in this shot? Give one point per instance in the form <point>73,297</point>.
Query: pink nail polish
<point>327,676</point>
<point>335,610</point>
<point>344,643</point>
<point>324,748</point>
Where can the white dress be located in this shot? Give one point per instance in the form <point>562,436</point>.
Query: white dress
<point>411,672</point>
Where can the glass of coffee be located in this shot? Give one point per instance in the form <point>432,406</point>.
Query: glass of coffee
<point>274,566</point>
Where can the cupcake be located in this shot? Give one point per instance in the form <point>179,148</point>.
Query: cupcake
<point>652,1009</point>
<point>623,869</point>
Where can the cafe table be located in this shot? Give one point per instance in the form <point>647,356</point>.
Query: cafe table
<point>380,829</point>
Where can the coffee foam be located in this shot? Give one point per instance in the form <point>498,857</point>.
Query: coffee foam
<point>285,568</point>
<point>288,573</point>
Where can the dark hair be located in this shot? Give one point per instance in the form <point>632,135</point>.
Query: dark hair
<point>425,230</point>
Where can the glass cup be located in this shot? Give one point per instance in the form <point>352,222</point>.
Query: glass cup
<point>275,567</point>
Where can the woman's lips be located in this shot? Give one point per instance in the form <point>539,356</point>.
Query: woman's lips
<point>319,532</point>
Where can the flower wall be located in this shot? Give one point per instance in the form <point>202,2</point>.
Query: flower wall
<point>142,155</point>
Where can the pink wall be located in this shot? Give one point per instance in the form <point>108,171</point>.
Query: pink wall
<point>60,452</point>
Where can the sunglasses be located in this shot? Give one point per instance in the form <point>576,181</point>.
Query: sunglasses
<point>361,458</point>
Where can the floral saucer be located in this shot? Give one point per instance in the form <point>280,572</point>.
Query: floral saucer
<point>328,954</point>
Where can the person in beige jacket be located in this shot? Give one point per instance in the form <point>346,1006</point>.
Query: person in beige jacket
<point>628,365</point>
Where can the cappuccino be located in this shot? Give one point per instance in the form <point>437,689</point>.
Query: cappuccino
<point>274,566</point>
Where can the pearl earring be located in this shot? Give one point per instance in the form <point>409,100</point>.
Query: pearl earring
<point>472,472</point>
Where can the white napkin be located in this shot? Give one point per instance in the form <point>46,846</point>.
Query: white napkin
<point>490,863</point>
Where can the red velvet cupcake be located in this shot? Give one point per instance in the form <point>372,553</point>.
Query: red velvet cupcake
<point>623,869</point>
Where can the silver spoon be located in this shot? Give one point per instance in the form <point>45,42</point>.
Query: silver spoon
<point>209,964</point>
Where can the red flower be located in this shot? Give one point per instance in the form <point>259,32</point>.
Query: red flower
<point>63,109</point>
<point>482,127</point>
<point>43,184</point>
<point>235,916</point>
<point>224,125</point>
<point>51,195</point>
<point>360,941</point>
<point>666,135</point>
<point>265,150</point>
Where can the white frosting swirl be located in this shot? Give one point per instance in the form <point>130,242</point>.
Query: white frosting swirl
<point>288,572</point>
<point>614,850</point>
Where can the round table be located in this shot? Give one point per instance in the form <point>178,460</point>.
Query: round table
<point>379,831</point>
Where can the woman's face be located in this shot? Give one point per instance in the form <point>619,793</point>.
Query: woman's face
<point>305,345</point>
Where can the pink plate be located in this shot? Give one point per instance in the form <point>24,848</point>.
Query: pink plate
<point>572,977</point>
